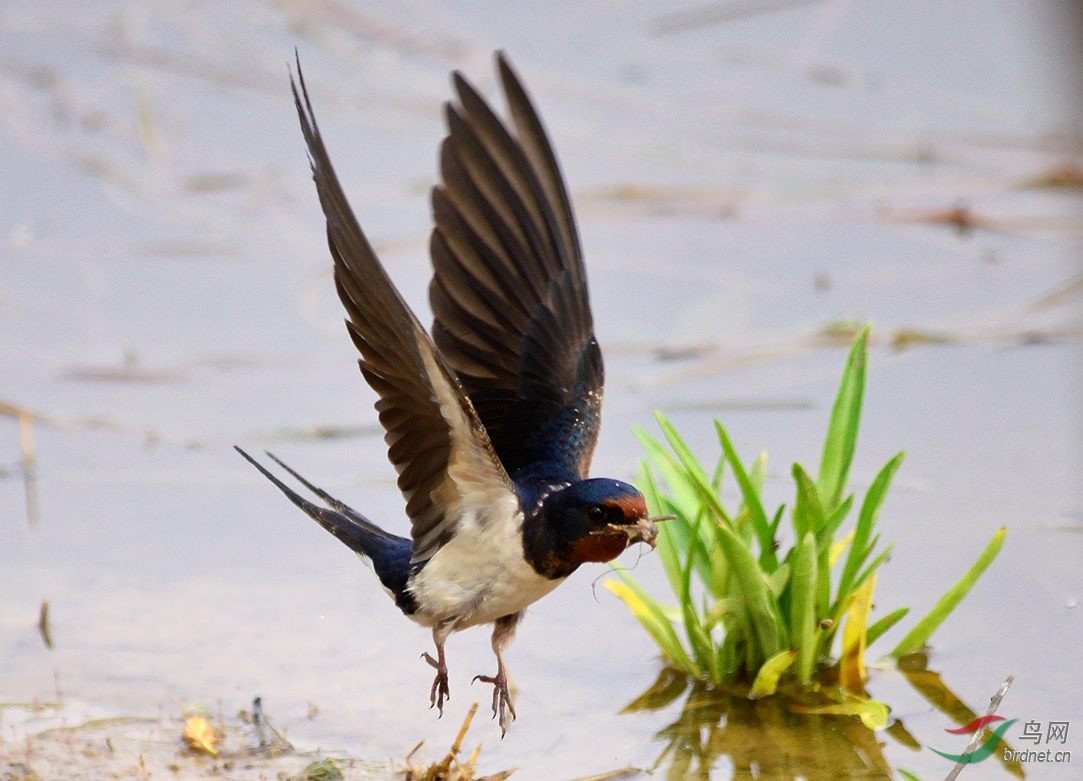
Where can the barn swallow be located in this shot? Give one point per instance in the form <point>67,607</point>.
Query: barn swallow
<point>491,422</point>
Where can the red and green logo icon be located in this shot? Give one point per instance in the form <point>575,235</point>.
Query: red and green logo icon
<point>985,750</point>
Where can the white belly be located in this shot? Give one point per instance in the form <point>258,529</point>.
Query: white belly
<point>480,575</point>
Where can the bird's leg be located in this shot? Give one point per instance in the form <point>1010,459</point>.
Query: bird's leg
<point>503,632</point>
<point>439,691</point>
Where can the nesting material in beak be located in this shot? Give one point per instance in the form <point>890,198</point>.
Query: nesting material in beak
<point>643,530</point>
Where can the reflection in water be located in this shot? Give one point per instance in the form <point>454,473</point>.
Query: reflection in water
<point>929,685</point>
<point>763,739</point>
<point>769,740</point>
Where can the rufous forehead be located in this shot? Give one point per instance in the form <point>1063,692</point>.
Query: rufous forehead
<point>633,505</point>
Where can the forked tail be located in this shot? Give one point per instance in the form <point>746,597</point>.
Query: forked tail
<point>389,554</point>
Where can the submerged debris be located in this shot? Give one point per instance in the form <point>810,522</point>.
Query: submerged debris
<point>26,441</point>
<point>623,774</point>
<point>44,628</point>
<point>76,741</point>
<point>199,732</point>
<point>449,768</point>
<point>277,743</point>
<point>1066,175</point>
<point>324,770</point>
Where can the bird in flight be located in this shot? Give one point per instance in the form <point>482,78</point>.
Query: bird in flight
<point>491,422</point>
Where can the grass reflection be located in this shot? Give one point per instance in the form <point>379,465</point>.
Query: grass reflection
<point>775,738</point>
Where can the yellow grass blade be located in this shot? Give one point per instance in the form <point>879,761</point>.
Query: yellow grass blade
<point>852,665</point>
<point>838,548</point>
<point>873,713</point>
<point>766,682</point>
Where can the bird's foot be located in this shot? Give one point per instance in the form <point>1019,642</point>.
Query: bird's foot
<point>439,691</point>
<point>501,699</point>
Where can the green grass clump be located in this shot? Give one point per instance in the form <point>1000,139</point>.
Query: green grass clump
<point>755,613</point>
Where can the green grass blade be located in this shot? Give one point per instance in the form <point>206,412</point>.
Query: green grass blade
<point>874,565</point>
<point>832,523</point>
<point>720,572</point>
<point>842,601</point>
<point>841,437</point>
<point>779,579</point>
<point>727,656</point>
<point>756,476</point>
<point>759,473</point>
<point>696,547</point>
<point>823,580</point>
<point>686,532</point>
<point>669,532</point>
<point>762,607</point>
<point>645,482</point>
<point>920,634</point>
<point>695,476</point>
<point>738,634</point>
<point>681,492</point>
<point>758,517</point>
<point>655,626</point>
<point>699,640</point>
<point>719,470</point>
<point>826,637</point>
<point>884,624</point>
<point>652,618</point>
<point>679,540</point>
<point>803,606</point>
<point>777,520</point>
<point>724,609</point>
<point>681,450</point>
<point>808,512</point>
<point>866,520</point>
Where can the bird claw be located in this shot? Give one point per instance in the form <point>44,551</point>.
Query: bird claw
<point>501,699</point>
<point>439,691</point>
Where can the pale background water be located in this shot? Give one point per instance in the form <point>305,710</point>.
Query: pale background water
<point>741,182</point>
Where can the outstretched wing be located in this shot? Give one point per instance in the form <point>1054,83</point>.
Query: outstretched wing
<point>509,291</point>
<point>448,471</point>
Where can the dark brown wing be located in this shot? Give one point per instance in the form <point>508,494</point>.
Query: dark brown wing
<point>509,292</point>
<point>448,471</point>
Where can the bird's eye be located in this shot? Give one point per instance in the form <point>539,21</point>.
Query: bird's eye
<point>595,513</point>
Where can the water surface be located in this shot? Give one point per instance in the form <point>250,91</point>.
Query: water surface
<point>165,294</point>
